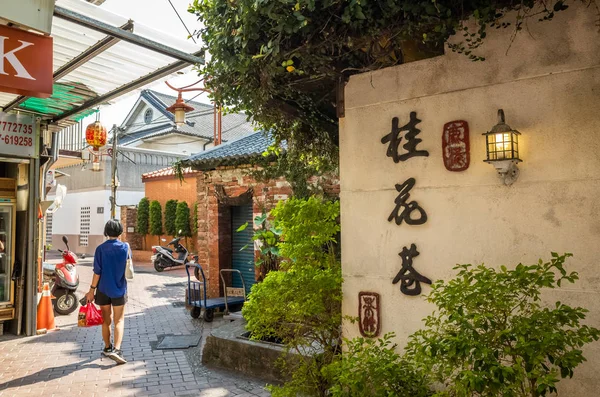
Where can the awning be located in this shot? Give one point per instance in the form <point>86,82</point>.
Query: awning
<point>99,56</point>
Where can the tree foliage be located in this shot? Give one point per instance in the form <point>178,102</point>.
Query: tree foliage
<point>143,216</point>
<point>170,212</point>
<point>281,60</point>
<point>492,335</point>
<point>372,368</point>
<point>156,226</point>
<point>182,220</point>
<point>301,305</point>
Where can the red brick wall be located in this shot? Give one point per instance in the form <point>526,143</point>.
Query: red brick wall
<point>129,220</point>
<point>164,189</point>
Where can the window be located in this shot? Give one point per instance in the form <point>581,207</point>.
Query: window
<point>148,116</point>
<point>84,226</point>
<point>48,229</point>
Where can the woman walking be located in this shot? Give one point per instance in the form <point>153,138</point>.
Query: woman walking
<point>110,287</point>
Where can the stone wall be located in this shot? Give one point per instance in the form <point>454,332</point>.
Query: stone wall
<point>129,221</point>
<point>548,85</point>
<point>214,220</point>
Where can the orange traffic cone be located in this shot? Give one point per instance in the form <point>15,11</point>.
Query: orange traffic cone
<point>45,311</point>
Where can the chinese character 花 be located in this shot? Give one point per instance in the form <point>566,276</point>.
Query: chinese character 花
<point>404,210</point>
<point>394,138</point>
<point>410,279</point>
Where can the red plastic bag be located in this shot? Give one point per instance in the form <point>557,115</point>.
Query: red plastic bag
<point>89,315</point>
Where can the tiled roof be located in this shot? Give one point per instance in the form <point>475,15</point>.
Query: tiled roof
<point>199,122</point>
<point>231,153</point>
<point>165,172</point>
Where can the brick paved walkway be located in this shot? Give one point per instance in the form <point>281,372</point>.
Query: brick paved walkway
<point>67,362</point>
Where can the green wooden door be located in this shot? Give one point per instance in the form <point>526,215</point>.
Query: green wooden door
<point>242,259</point>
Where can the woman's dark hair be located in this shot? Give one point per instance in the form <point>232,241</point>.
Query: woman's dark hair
<point>113,228</point>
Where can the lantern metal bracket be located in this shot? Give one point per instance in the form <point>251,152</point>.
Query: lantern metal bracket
<point>507,170</point>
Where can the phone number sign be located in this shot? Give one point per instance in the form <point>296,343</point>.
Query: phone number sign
<point>17,135</point>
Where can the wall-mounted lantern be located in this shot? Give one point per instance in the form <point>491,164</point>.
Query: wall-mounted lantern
<point>502,147</point>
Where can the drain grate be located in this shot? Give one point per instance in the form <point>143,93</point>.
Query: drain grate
<point>182,284</point>
<point>179,342</point>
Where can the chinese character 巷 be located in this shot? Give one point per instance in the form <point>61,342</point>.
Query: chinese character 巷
<point>410,279</point>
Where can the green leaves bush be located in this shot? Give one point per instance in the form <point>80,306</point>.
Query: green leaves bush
<point>492,335</point>
<point>301,305</point>
<point>170,212</point>
<point>182,220</point>
<point>156,226</point>
<point>143,216</point>
<point>372,368</point>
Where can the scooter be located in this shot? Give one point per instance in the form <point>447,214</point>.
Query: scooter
<point>66,281</point>
<point>164,257</point>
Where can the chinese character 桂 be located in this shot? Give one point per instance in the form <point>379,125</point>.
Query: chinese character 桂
<point>394,138</point>
<point>403,210</point>
<point>410,279</point>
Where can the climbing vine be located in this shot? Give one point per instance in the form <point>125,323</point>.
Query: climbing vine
<point>280,61</point>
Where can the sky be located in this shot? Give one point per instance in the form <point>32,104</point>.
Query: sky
<point>159,15</point>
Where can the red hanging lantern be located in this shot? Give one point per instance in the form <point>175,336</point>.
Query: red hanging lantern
<point>95,135</point>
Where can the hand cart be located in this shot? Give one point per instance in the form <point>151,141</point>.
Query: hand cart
<point>196,293</point>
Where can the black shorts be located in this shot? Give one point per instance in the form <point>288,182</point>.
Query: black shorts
<point>103,299</point>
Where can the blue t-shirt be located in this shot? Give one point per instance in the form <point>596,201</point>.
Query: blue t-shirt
<point>110,260</point>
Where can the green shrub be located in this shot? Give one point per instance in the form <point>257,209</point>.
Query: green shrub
<point>182,220</point>
<point>156,228</point>
<point>372,368</point>
<point>143,216</point>
<point>268,238</point>
<point>309,228</point>
<point>301,305</point>
<point>170,212</point>
<point>492,336</point>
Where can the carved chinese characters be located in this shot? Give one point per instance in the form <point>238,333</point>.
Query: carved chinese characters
<point>369,320</point>
<point>394,138</point>
<point>455,146</point>
<point>404,211</point>
<point>410,279</point>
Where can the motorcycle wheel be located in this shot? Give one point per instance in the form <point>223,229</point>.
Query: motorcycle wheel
<point>158,267</point>
<point>65,302</point>
<point>209,315</point>
<point>195,312</point>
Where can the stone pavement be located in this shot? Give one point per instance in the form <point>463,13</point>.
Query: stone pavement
<point>67,362</point>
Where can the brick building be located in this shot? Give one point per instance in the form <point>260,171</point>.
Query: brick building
<point>227,197</point>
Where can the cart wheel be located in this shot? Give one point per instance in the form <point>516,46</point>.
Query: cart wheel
<point>209,315</point>
<point>195,312</point>
<point>158,267</point>
<point>197,274</point>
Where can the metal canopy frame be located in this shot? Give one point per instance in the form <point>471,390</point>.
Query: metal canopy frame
<point>74,63</point>
<point>157,74</point>
<point>110,30</point>
<point>114,35</point>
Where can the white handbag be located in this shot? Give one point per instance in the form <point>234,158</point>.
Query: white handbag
<point>129,265</point>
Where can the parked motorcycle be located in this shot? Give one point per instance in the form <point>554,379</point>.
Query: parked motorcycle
<point>164,257</point>
<point>66,281</point>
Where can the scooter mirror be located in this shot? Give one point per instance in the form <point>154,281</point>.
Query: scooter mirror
<point>65,239</point>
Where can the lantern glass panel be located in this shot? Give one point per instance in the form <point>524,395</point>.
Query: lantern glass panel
<point>179,117</point>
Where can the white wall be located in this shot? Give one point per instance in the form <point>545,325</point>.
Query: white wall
<point>66,219</point>
<point>173,143</point>
<point>549,87</point>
